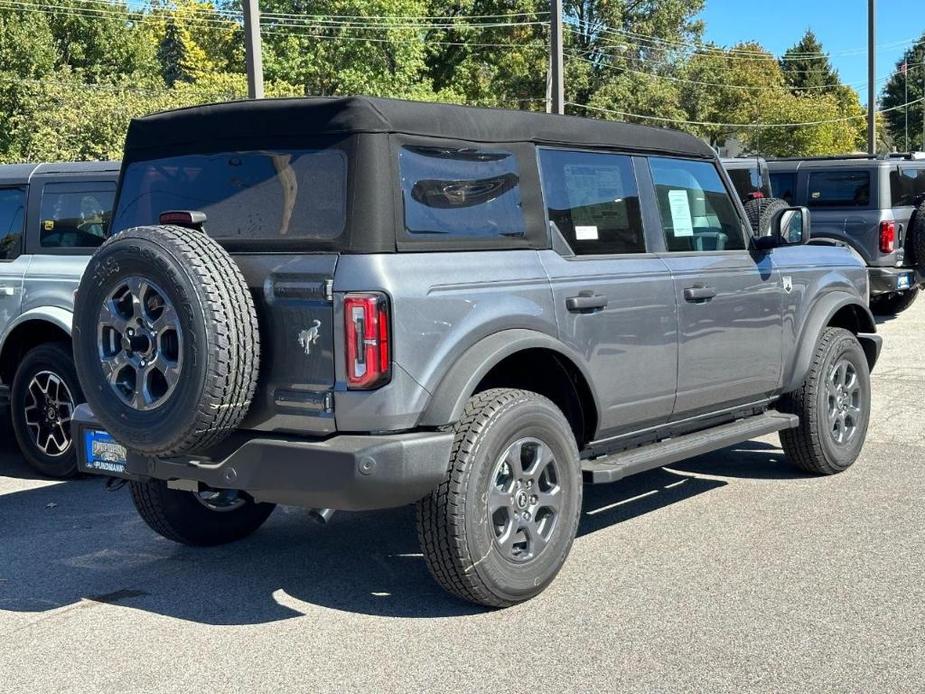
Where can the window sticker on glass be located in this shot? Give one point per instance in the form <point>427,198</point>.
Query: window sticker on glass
<point>585,233</point>
<point>680,213</point>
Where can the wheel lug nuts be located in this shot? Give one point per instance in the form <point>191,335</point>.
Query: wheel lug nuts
<point>533,499</point>
<point>526,515</point>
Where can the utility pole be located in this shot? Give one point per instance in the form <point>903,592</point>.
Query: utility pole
<point>871,78</point>
<point>253,51</point>
<point>556,73</point>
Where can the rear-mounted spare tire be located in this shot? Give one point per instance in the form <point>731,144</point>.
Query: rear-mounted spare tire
<point>166,341</point>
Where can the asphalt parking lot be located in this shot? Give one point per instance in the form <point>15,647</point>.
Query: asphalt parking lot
<point>730,572</point>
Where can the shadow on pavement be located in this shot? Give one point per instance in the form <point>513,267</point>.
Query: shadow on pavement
<point>73,541</point>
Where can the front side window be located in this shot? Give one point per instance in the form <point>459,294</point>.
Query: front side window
<point>839,189</point>
<point>696,210</point>
<point>784,186</point>
<point>592,199</point>
<point>461,192</point>
<point>253,195</point>
<point>12,218</point>
<point>75,215</point>
<point>907,186</point>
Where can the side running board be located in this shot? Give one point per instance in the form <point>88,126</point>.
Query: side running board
<point>611,468</point>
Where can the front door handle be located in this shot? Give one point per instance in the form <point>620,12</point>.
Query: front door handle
<point>586,301</point>
<point>695,294</point>
<point>6,290</point>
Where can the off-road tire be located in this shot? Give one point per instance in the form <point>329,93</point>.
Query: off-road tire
<point>220,347</point>
<point>915,239</point>
<point>180,517</point>
<point>894,302</point>
<point>811,446</point>
<point>53,357</point>
<point>761,211</point>
<point>455,532</point>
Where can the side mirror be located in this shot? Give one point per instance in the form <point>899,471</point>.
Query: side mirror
<point>789,227</point>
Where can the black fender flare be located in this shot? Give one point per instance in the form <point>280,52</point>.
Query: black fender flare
<point>820,316</point>
<point>449,398</point>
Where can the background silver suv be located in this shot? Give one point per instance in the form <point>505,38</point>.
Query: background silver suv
<point>52,217</point>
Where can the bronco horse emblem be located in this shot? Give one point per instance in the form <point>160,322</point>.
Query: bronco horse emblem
<point>309,337</point>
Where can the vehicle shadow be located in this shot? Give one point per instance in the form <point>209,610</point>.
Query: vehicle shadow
<point>63,544</point>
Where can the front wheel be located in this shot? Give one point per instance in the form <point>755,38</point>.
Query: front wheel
<point>211,517</point>
<point>43,396</point>
<point>833,405</point>
<point>500,526</point>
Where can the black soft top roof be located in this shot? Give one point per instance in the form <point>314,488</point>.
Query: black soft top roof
<point>282,122</point>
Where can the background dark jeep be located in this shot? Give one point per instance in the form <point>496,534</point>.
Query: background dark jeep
<point>369,303</point>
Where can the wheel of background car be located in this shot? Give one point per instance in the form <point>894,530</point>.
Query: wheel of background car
<point>894,302</point>
<point>915,239</point>
<point>499,528</point>
<point>206,518</point>
<point>760,213</point>
<point>44,394</point>
<point>833,405</point>
<point>166,340</point>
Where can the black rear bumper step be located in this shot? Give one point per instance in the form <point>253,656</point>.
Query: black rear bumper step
<point>619,465</point>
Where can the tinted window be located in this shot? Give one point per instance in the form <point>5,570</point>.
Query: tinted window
<point>784,185</point>
<point>839,189</point>
<point>593,201</point>
<point>907,185</point>
<point>75,215</point>
<point>461,192</point>
<point>12,217</point>
<point>696,210</point>
<point>747,182</point>
<point>245,195</point>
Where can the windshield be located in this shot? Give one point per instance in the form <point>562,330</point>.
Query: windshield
<point>250,195</point>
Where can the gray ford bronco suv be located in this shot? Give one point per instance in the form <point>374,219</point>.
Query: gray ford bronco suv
<point>356,303</point>
<point>872,204</point>
<point>52,217</point>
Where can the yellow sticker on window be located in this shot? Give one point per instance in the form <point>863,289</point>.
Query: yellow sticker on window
<point>48,224</point>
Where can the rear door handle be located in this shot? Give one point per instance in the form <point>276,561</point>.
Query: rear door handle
<point>695,294</point>
<point>586,301</point>
<point>6,290</point>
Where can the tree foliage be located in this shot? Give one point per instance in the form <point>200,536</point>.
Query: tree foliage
<point>74,72</point>
<point>894,97</point>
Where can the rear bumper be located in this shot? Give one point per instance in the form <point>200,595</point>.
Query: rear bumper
<point>884,280</point>
<point>346,472</point>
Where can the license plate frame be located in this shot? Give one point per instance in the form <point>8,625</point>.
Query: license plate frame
<point>102,453</point>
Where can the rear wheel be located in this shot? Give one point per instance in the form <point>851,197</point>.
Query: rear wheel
<point>894,302</point>
<point>212,517</point>
<point>833,405</point>
<point>42,400</point>
<point>499,528</point>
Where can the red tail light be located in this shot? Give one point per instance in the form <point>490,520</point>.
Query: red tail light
<point>366,327</point>
<point>887,236</point>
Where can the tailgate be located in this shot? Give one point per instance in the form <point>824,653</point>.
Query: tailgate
<point>294,300</point>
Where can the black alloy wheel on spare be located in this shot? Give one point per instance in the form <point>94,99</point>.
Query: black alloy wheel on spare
<point>166,341</point>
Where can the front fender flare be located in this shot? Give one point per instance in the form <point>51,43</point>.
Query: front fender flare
<point>820,316</point>
<point>449,398</point>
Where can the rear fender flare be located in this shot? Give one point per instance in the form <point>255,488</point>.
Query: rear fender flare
<point>449,398</point>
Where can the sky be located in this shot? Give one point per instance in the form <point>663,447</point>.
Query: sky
<point>841,26</point>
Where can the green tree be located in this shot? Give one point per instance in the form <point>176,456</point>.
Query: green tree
<point>894,98</point>
<point>806,66</point>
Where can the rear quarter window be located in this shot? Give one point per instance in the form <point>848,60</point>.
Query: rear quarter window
<point>907,186</point>
<point>453,192</point>
<point>75,215</point>
<point>839,189</point>
<point>783,185</point>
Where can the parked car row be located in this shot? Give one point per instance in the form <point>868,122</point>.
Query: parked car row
<point>357,303</point>
<point>874,205</point>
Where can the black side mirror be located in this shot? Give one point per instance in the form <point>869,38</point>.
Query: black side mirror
<point>789,227</point>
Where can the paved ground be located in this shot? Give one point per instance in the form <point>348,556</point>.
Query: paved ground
<point>727,573</point>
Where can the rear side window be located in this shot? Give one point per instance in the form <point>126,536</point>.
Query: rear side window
<point>783,186</point>
<point>251,195</point>
<point>592,199</point>
<point>747,182</point>
<point>75,215</point>
<point>696,210</point>
<point>839,189</point>
<point>907,186</point>
<point>12,218</point>
<point>461,192</point>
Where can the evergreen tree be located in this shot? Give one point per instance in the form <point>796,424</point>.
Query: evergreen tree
<point>894,97</point>
<point>806,67</point>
